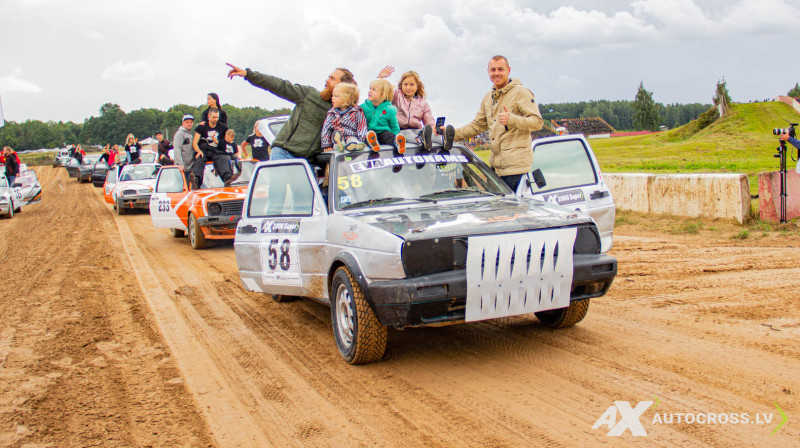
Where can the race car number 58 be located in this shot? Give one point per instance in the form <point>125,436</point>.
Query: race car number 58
<point>280,259</point>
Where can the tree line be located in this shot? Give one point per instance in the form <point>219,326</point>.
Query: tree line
<point>113,124</point>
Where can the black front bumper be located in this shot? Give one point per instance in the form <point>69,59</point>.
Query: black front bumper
<point>134,201</point>
<point>441,298</point>
<point>219,223</point>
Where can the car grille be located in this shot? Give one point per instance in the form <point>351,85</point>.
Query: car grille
<point>127,192</point>
<point>234,207</point>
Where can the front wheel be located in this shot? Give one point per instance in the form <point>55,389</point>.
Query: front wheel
<point>119,208</point>
<point>360,336</point>
<point>564,317</point>
<point>196,236</point>
<point>177,233</point>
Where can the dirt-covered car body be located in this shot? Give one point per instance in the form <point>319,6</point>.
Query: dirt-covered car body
<point>73,168</point>
<point>426,238</point>
<point>86,167</point>
<point>27,187</point>
<point>99,172</point>
<point>210,212</point>
<point>572,178</point>
<point>60,157</point>
<point>10,200</point>
<point>130,187</point>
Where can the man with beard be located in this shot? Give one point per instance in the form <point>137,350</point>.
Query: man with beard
<point>300,137</point>
<point>209,146</point>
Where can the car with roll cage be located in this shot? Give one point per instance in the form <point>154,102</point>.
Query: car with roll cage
<point>210,212</point>
<point>60,157</point>
<point>86,167</point>
<point>129,187</point>
<point>99,173</point>
<point>426,238</point>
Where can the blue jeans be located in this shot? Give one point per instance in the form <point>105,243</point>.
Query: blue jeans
<point>280,154</point>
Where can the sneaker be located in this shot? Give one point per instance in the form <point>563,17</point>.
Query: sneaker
<point>338,144</point>
<point>233,179</point>
<point>372,141</point>
<point>427,136</point>
<point>400,143</point>
<point>449,135</point>
<point>353,145</point>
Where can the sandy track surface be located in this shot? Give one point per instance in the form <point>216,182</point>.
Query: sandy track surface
<point>117,334</point>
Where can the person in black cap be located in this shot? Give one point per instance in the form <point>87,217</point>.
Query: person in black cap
<point>163,149</point>
<point>182,144</point>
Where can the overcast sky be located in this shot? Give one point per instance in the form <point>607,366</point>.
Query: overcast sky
<point>61,60</point>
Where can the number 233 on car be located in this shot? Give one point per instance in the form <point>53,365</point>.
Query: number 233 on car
<point>425,238</point>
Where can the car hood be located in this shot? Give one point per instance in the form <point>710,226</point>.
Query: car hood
<point>136,184</point>
<point>500,215</point>
<point>221,194</point>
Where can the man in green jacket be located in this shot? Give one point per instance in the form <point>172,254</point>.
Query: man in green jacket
<point>510,113</point>
<point>301,135</point>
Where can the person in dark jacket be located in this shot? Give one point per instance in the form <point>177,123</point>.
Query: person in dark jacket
<point>213,102</point>
<point>301,136</point>
<point>163,149</point>
<point>12,165</point>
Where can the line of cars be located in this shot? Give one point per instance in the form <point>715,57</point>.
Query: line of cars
<point>387,240</point>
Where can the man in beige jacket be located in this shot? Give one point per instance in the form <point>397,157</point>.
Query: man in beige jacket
<point>510,113</point>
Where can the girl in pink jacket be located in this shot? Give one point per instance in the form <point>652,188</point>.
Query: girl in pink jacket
<point>413,111</point>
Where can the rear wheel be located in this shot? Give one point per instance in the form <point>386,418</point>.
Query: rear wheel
<point>196,236</point>
<point>564,317</point>
<point>10,212</point>
<point>282,298</point>
<point>360,336</point>
<point>177,233</point>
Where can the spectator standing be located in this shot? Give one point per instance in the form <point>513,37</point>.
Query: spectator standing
<point>510,113</point>
<point>182,146</point>
<point>105,156</point>
<point>12,165</point>
<point>301,136</point>
<point>259,147</point>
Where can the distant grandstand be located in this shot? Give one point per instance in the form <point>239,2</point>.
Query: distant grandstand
<point>586,126</point>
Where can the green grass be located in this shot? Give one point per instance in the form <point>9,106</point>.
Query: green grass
<point>740,142</point>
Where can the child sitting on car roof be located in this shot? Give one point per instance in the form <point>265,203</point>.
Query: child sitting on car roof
<point>345,125</point>
<point>413,111</point>
<point>382,117</point>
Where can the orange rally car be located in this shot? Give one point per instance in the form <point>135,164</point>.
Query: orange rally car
<point>208,213</point>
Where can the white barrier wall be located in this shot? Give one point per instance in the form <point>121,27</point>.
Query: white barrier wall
<point>692,195</point>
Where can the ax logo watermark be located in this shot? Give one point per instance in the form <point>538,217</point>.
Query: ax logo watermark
<point>629,418</point>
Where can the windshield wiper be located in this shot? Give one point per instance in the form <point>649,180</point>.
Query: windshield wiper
<point>388,200</point>
<point>460,191</point>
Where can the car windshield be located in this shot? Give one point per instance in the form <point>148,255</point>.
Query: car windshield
<point>371,179</point>
<point>27,178</point>
<point>139,172</point>
<point>212,180</point>
<point>90,160</point>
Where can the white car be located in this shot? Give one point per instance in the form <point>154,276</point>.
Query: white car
<point>10,198</point>
<point>29,191</point>
<point>130,187</point>
<point>568,175</point>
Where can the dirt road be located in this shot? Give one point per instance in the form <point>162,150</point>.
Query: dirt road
<point>116,334</point>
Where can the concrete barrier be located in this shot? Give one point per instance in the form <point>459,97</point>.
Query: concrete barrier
<point>693,195</point>
<point>769,195</point>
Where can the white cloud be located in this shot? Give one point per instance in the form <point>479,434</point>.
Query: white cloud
<point>94,35</point>
<point>129,71</point>
<point>13,83</point>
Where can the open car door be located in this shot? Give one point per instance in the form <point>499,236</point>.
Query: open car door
<point>282,226</point>
<point>572,179</point>
<point>29,191</point>
<point>169,194</point>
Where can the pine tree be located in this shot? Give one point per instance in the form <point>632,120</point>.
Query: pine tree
<point>645,112</point>
<point>795,92</point>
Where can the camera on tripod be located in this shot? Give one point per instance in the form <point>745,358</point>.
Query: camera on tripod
<point>782,156</point>
<point>789,130</point>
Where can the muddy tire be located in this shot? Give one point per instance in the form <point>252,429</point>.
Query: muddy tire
<point>282,298</point>
<point>10,213</point>
<point>564,317</point>
<point>196,236</point>
<point>359,334</point>
<point>119,208</point>
<point>177,233</point>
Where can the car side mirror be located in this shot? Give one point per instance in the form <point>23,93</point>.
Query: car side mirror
<point>538,178</point>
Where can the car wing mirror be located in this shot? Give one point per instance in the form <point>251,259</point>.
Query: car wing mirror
<point>538,178</point>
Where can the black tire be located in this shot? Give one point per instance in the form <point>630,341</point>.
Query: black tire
<point>360,336</point>
<point>564,317</point>
<point>283,298</point>
<point>120,210</point>
<point>177,233</point>
<point>196,236</point>
<point>10,213</point>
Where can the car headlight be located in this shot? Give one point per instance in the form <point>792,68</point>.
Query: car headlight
<point>214,208</point>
